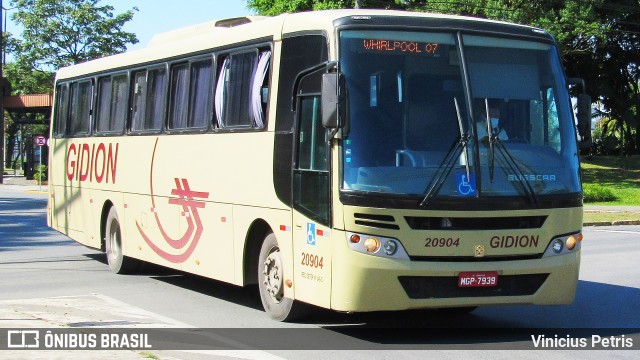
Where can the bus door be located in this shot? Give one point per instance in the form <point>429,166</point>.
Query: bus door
<point>311,189</point>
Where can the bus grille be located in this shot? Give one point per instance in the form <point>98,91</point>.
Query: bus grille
<point>377,221</point>
<point>441,287</point>
<point>482,223</point>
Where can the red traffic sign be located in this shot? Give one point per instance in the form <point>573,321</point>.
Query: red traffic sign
<point>40,140</point>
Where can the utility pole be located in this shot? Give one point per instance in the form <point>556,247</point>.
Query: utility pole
<point>1,99</point>
<point>358,4</point>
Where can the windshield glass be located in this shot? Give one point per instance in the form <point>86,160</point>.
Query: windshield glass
<point>408,111</point>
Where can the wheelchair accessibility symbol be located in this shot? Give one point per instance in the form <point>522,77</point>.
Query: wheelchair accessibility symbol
<point>466,187</point>
<point>311,233</point>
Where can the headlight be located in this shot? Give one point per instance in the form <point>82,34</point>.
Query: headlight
<point>565,244</point>
<point>390,247</point>
<point>377,246</point>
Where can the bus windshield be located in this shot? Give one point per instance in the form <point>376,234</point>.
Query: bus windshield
<point>416,127</point>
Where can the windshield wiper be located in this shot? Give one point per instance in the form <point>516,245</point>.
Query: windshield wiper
<point>491,138</point>
<point>511,162</point>
<point>513,165</point>
<point>449,160</point>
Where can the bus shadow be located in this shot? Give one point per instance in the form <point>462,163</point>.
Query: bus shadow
<point>597,305</point>
<point>246,296</point>
<point>602,309</point>
<point>607,309</point>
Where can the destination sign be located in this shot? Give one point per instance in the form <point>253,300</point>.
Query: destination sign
<point>396,46</point>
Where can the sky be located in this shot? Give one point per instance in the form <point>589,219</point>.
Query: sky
<point>157,16</point>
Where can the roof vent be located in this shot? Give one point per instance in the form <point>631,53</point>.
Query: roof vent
<point>232,22</point>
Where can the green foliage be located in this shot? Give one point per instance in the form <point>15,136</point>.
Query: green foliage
<point>27,81</point>
<point>597,193</point>
<point>598,39</point>
<point>615,174</point>
<point>58,33</point>
<point>40,173</point>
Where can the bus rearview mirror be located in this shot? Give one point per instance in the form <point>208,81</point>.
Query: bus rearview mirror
<point>332,100</point>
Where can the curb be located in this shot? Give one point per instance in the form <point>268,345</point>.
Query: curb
<point>612,223</point>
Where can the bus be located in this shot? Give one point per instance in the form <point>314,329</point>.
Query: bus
<point>331,158</point>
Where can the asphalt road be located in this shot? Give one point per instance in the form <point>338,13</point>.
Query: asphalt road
<point>49,281</point>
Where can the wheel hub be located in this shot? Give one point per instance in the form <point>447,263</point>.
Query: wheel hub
<point>273,276</point>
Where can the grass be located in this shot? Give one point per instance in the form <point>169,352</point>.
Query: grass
<point>611,180</point>
<point>591,217</point>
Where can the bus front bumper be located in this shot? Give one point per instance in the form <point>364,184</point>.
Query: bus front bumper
<point>362,282</point>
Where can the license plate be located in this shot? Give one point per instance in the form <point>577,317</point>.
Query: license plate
<point>478,279</point>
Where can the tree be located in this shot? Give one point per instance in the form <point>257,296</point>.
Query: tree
<point>25,81</point>
<point>276,7</point>
<point>58,33</point>
<point>598,40</point>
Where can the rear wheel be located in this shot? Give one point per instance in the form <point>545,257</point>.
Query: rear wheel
<point>118,263</point>
<point>271,283</point>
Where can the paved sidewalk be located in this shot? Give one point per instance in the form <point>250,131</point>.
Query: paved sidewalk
<point>607,208</point>
<point>17,180</point>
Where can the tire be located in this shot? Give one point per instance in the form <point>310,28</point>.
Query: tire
<point>118,263</point>
<point>271,283</point>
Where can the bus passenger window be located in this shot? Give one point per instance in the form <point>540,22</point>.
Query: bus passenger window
<point>112,103</point>
<point>179,94</point>
<point>260,89</point>
<point>62,109</point>
<point>138,104</point>
<point>241,90</point>
<point>81,94</point>
<point>156,99</point>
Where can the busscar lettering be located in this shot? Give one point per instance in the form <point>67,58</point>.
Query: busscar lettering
<point>92,163</point>
<point>508,241</point>
<point>532,177</point>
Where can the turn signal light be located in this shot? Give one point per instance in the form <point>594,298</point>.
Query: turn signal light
<point>372,245</point>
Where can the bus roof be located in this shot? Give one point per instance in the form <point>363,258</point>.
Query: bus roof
<point>225,32</point>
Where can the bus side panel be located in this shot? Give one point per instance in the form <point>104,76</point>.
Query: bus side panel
<point>212,254</point>
<point>72,214</point>
<point>279,222</point>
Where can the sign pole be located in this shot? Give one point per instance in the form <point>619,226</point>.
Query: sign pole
<point>40,141</point>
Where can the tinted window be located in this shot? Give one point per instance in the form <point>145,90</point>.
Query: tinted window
<point>80,107</point>
<point>62,109</point>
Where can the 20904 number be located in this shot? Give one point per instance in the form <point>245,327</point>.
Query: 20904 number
<point>442,242</point>
<point>311,260</point>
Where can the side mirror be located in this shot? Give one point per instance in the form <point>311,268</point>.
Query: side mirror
<point>584,120</point>
<point>333,103</point>
<point>584,113</point>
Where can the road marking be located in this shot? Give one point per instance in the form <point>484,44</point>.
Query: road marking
<point>237,354</point>
<point>91,310</point>
<point>617,231</point>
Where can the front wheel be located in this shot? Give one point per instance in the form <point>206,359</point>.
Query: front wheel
<point>118,263</point>
<point>271,283</point>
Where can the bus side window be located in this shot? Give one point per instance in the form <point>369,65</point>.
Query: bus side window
<point>260,89</point>
<point>156,99</point>
<point>148,100</point>
<point>242,90</point>
<point>138,94</point>
<point>179,96</point>
<point>62,110</point>
<point>112,103</point>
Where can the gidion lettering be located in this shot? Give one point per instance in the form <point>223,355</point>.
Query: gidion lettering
<point>514,241</point>
<point>94,163</point>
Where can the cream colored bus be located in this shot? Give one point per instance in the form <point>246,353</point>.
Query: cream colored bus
<point>354,160</point>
